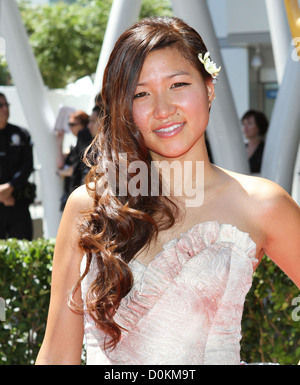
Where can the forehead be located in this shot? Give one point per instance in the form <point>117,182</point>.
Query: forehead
<point>73,119</point>
<point>164,61</point>
<point>249,119</point>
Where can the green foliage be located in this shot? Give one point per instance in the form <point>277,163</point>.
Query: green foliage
<point>5,78</point>
<point>269,332</point>
<point>156,8</point>
<point>25,274</point>
<point>67,38</point>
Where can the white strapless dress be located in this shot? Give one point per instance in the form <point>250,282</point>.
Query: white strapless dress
<point>186,306</point>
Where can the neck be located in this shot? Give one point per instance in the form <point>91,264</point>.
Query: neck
<point>254,141</point>
<point>186,176</point>
<point>3,125</point>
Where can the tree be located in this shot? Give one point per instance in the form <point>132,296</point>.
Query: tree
<point>67,38</point>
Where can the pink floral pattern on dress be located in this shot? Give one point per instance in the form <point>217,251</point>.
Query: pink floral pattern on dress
<point>185,307</point>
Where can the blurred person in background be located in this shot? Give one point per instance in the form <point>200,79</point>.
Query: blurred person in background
<point>16,165</point>
<point>93,125</point>
<point>96,115</point>
<point>255,127</point>
<point>70,165</point>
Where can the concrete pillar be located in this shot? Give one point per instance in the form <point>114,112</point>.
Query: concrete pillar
<point>280,35</point>
<point>284,132</point>
<point>224,130</point>
<point>123,13</point>
<point>296,180</point>
<point>37,110</point>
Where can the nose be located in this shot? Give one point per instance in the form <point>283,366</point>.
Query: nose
<point>163,107</point>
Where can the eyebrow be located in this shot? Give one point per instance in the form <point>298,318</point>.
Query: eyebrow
<point>169,76</point>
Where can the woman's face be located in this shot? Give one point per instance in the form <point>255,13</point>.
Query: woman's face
<point>75,125</point>
<point>171,104</point>
<point>4,112</point>
<point>250,128</point>
<point>93,124</point>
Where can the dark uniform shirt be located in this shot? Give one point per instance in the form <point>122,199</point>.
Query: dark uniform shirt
<point>16,164</point>
<point>16,159</point>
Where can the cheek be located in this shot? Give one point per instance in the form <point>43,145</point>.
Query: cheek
<point>141,116</point>
<point>196,106</point>
<point>253,129</point>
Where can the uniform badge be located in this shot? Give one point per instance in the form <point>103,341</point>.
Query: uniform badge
<point>15,140</point>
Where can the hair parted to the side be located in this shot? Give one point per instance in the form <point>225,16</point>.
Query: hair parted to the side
<point>119,226</point>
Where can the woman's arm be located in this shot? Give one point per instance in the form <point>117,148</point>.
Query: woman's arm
<point>64,333</point>
<point>281,225</point>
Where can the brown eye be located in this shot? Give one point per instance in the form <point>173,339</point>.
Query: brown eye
<point>179,84</point>
<point>140,95</point>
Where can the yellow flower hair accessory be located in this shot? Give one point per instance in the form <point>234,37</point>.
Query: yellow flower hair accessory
<point>209,65</point>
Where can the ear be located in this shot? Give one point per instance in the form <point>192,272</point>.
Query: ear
<point>210,91</point>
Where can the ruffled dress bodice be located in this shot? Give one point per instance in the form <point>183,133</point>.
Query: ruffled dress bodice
<point>185,307</point>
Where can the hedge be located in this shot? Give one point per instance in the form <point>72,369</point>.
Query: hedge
<point>271,321</point>
<point>25,276</point>
<point>269,332</point>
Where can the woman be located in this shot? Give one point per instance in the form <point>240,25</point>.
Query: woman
<point>164,277</point>
<point>255,126</point>
<point>70,165</point>
<point>78,121</point>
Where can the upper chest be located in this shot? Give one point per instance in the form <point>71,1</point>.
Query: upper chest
<point>229,208</point>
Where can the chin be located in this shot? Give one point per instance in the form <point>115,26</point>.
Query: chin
<point>168,154</point>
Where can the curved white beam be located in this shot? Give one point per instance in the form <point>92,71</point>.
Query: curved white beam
<point>284,132</point>
<point>37,110</point>
<point>280,35</point>
<point>296,180</point>
<point>281,149</point>
<point>122,14</point>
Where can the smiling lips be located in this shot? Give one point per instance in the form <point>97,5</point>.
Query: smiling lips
<point>168,131</point>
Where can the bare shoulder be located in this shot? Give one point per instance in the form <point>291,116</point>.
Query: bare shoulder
<point>80,199</point>
<point>262,193</point>
<point>277,218</point>
<point>275,208</point>
<point>263,203</point>
<point>79,202</point>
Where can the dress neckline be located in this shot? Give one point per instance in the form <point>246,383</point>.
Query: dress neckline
<point>175,240</point>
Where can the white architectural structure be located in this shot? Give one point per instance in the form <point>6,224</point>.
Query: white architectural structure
<point>284,133</point>
<point>36,107</point>
<point>280,35</point>
<point>122,14</point>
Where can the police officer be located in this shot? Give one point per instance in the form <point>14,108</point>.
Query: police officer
<point>16,165</point>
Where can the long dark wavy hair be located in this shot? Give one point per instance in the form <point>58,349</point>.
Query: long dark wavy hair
<point>120,225</point>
